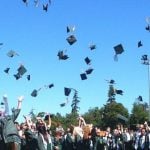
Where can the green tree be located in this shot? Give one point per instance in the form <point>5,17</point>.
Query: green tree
<point>75,102</point>
<point>94,116</point>
<point>138,114</point>
<point>110,114</point>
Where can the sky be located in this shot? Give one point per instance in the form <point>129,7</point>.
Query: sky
<point>37,36</point>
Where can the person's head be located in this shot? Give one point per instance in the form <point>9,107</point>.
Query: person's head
<point>2,109</point>
<point>143,131</point>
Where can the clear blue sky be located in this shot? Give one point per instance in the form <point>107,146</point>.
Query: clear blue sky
<point>37,36</point>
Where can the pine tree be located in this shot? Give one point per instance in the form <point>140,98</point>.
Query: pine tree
<point>75,102</point>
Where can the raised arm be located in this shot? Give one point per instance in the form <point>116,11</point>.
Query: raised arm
<point>20,99</point>
<point>5,99</point>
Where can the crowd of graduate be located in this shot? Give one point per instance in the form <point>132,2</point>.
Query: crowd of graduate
<point>37,135</point>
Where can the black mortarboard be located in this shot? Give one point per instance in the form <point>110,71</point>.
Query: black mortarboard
<point>67,91</point>
<point>118,50</point>
<point>17,76</point>
<point>62,56</point>
<point>12,53</point>
<point>22,70</point>
<point>112,81</point>
<point>87,60</point>
<point>34,93</point>
<point>36,2</point>
<point>71,39</point>
<point>28,77</point>
<point>7,70</point>
<point>62,104</point>
<point>51,85</point>
<point>145,60</point>
<point>93,46</point>
<point>144,57</point>
<point>140,98</point>
<point>83,76</point>
<point>25,1</point>
<point>45,7</point>
<point>70,29</point>
<point>120,92</point>
<point>2,103</point>
<point>89,71</point>
<point>147,28</point>
<point>140,44</point>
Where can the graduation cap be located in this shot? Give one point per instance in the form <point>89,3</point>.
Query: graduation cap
<point>22,70</point>
<point>89,71</point>
<point>83,76</point>
<point>87,60</point>
<point>51,85</point>
<point>140,98</point>
<point>71,39</point>
<point>118,50</point>
<point>45,7</point>
<point>67,91</point>
<point>28,77</point>
<point>2,103</point>
<point>147,28</point>
<point>1,44</point>
<point>7,70</point>
<point>120,92</point>
<point>25,1</point>
<point>140,44</point>
<point>17,76</point>
<point>92,47</point>
<point>144,57</point>
<point>12,53</point>
<point>35,92</point>
<point>112,81</point>
<point>36,2</point>
<point>64,103</point>
<point>145,60</point>
<point>62,56</point>
<point>70,29</point>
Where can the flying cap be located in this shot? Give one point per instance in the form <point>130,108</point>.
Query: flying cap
<point>62,104</point>
<point>140,44</point>
<point>25,1</point>
<point>120,92</point>
<point>62,56</point>
<point>71,39</point>
<point>92,46</point>
<point>17,76</point>
<point>22,70</point>
<point>12,53</point>
<point>83,76</point>
<point>147,28</point>
<point>112,81</point>
<point>28,77</point>
<point>51,85</point>
<point>118,50</point>
<point>34,93</point>
<point>67,91</point>
<point>45,7</point>
<point>89,71</point>
<point>7,70</point>
<point>70,29</point>
<point>140,98</point>
<point>87,60</point>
